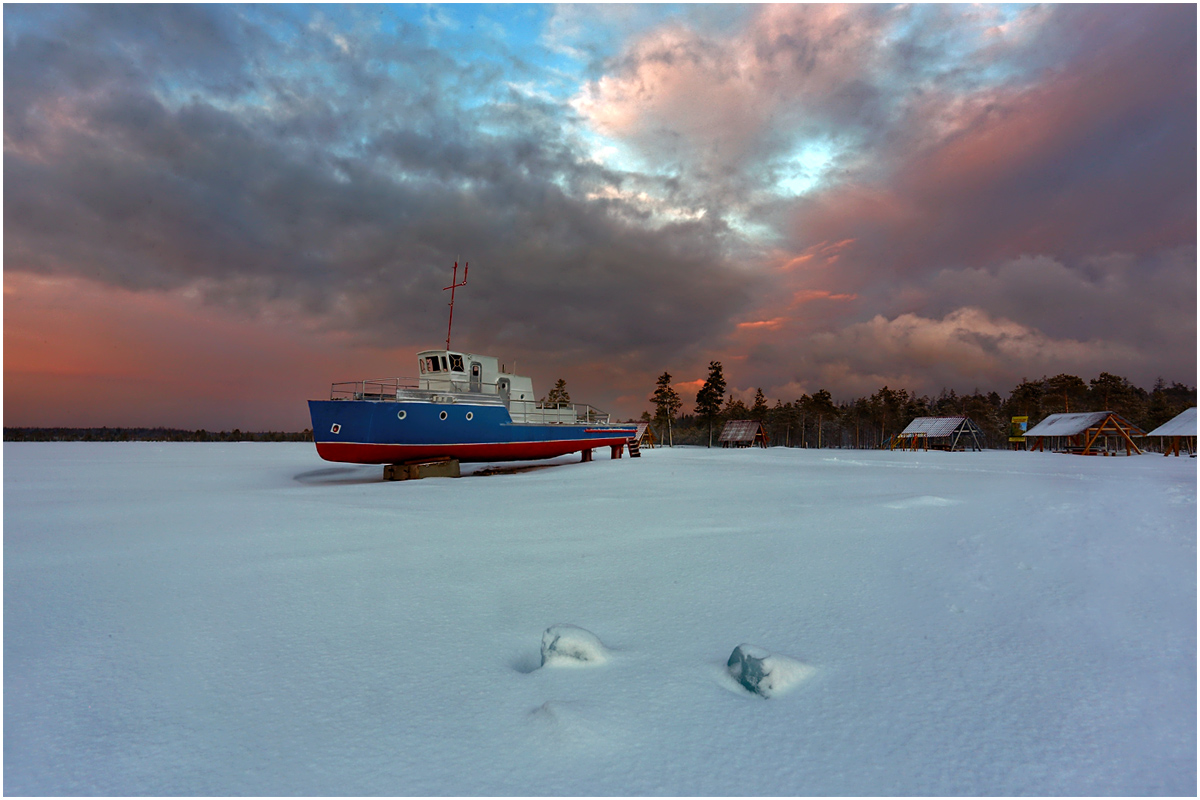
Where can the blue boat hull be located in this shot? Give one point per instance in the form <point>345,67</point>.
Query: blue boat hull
<point>392,432</point>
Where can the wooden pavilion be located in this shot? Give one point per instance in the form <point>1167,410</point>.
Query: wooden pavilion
<point>1092,433</point>
<point>743,433</point>
<point>940,433</point>
<point>1181,428</point>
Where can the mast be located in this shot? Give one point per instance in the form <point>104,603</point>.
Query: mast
<point>454,284</point>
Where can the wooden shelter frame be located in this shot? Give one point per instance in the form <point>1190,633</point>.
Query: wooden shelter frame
<point>1172,445</point>
<point>1084,442</point>
<point>1181,429</point>
<point>740,428</point>
<point>919,439</point>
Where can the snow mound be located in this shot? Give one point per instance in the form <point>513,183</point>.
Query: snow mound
<point>764,672</point>
<point>572,646</point>
<point>925,501</point>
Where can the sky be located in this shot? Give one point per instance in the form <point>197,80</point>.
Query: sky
<point>213,212</point>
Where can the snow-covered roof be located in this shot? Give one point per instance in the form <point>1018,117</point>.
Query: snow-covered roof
<point>739,430</point>
<point>933,426</point>
<point>1182,425</point>
<point>1067,424</point>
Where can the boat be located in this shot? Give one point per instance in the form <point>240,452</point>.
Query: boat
<point>463,407</point>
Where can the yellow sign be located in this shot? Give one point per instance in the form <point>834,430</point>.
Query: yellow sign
<point>1017,432</point>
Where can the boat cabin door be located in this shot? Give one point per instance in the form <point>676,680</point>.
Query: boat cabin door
<point>476,379</point>
<point>502,389</point>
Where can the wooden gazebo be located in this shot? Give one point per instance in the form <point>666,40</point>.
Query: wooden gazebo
<point>940,433</point>
<point>743,433</point>
<point>1181,428</point>
<point>1092,433</point>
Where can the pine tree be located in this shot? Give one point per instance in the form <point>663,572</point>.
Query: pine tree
<point>1069,388</point>
<point>710,396</point>
<point>667,403</point>
<point>821,404</point>
<point>760,408</point>
<point>558,395</point>
<point>735,409</point>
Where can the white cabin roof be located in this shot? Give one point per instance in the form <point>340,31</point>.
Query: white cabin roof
<point>1182,425</point>
<point>1066,424</point>
<point>934,427</point>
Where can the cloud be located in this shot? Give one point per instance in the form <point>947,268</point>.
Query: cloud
<point>1096,156</point>
<point>348,187</point>
<point>967,342</point>
<point>1038,168</point>
<point>767,324</point>
<point>968,348</point>
<point>1146,301</point>
<point>809,295</point>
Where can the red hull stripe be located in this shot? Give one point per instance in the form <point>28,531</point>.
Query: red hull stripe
<point>367,453</point>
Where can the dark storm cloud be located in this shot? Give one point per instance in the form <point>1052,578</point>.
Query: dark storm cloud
<point>1042,186</point>
<point>335,168</point>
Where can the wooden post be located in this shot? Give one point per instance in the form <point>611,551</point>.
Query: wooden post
<point>587,455</point>
<point>618,450</point>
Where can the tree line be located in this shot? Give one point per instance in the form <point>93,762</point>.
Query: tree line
<point>149,435</point>
<point>871,422</point>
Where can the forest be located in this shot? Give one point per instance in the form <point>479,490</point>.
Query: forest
<point>870,422</point>
<point>815,420</point>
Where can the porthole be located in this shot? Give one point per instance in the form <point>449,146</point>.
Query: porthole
<point>336,428</point>
<point>401,414</point>
<point>442,415</point>
<point>470,416</point>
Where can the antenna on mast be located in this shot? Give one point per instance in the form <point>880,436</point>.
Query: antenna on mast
<point>454,284</point>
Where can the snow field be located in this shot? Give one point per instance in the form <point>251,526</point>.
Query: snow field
<point>247,619</point>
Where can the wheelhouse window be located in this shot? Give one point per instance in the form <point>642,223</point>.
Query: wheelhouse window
<point>456,363</point>
<point>431,364</point>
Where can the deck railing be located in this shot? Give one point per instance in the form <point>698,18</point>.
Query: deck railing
<point>375,389</point>
<point>562,412</point>
<point>523,410</point>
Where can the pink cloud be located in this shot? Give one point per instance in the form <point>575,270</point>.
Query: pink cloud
<point>809,295</point>
<point>717,101</point>
<point>824,254</point>
<point>763,324</point>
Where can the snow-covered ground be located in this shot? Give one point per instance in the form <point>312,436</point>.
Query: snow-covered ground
<point>247,619</point>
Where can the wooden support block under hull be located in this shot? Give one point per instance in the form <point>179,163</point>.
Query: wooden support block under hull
<point>414,470</point>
